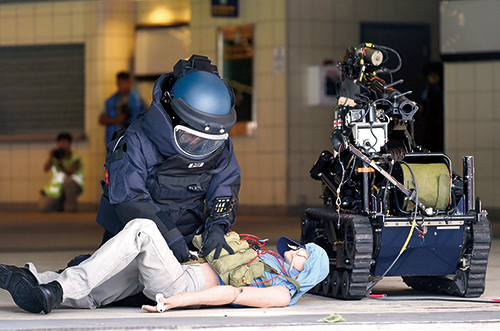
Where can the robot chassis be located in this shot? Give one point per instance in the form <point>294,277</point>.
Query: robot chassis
<point>393,209</point>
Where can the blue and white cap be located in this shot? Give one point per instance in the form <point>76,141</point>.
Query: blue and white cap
<point>285,244</point>
<point>316,267</point>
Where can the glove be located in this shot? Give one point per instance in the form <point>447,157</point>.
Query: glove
<point>213,238</point>
<point>180,249</point>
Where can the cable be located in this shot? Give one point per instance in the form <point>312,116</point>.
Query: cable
<point>386,185</point>
<point>438,299</point>
<point>387,70</point>
<point>413,224</point>
<point>372,104</point>
<point>281,263</point>
<point>385,58</point>
<point>372,146</point>
<point>338,201</point>
<point>262,251</point>
<point>351,164</point>
<point>415,184</point>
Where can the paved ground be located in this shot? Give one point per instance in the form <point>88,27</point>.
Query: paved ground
<point>50,240</point>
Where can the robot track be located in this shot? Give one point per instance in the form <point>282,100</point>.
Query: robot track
<point>350,246</point>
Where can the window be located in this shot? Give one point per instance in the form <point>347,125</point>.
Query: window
<point>41,90</point>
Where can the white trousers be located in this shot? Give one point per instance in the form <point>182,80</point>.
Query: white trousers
<point>136,259</point>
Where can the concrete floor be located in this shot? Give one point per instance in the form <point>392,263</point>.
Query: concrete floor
<point>51,240</point>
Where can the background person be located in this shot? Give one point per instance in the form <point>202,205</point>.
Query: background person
<point>429,127</point>
<point>66,182</point>
<point>122,108</point>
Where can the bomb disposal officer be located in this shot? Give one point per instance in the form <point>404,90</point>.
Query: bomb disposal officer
<point>175,164</point>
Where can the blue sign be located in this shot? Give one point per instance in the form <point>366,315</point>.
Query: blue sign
<point>225,8</point>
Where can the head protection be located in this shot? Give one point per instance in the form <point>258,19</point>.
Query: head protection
<point>200,105</point>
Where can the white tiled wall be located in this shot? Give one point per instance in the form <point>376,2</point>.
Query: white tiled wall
<point>107,30</point>
<point>275,161</point>
<point>262,156</point>
<point>472,118</point>
<point>319,30</point>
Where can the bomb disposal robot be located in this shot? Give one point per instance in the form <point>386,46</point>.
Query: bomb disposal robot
<point>393,209</point>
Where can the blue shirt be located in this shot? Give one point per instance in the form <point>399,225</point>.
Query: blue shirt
<point>136,105</point>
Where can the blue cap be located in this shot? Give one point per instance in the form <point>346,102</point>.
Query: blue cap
<point>282,245</point>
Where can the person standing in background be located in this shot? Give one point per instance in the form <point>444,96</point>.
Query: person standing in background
<point>66,184</point>
<point>122,108</point>
<point>429,120</point>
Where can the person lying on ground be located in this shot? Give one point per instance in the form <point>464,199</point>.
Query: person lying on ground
<point>118,269</point>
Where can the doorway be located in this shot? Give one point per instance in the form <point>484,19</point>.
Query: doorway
<point>412,42</point>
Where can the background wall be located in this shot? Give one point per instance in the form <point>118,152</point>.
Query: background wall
<point>319,30</point>
<point>472,116</point>
<point>153,12</point>
<point>263,155</point>
<point>276,159</point>
<point>472,91</point>
<point>106,29</point>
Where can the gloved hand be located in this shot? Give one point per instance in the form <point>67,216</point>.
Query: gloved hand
<point>213,238</point>
<point>180,250</point>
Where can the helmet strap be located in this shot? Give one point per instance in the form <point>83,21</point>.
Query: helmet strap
<point>166,98</point>
<point>165,101</point>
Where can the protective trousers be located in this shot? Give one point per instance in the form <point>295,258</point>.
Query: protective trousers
<point>136,259</point>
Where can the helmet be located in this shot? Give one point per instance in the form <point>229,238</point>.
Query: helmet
<point>204,102</point>
<point>202,110</point>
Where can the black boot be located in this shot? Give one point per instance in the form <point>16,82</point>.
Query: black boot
<point>20,283</point>
<point>49,295</point>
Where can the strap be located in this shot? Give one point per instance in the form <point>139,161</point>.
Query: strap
<point>295,283</point>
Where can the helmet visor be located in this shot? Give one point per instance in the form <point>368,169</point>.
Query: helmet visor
<point>195,143</point>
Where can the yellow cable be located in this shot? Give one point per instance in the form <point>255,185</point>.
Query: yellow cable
<point>413,225</point>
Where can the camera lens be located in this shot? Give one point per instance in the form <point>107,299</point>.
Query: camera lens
<point>59,153</point>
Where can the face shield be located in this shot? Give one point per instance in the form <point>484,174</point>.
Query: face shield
<point>195,143</point>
